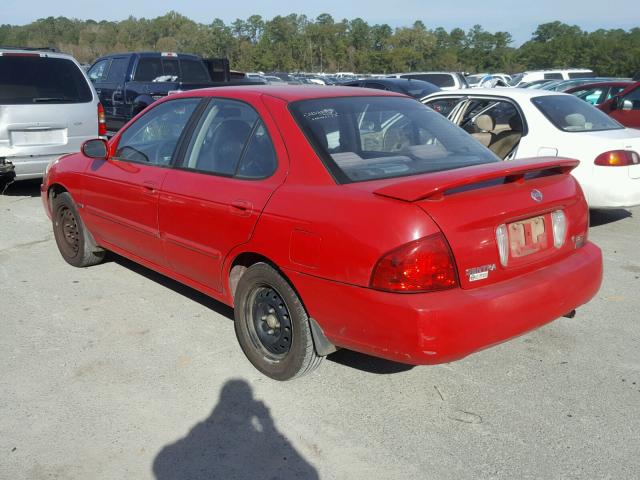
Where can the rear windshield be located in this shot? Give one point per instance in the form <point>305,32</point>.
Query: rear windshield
<point>160,69</point>
<point>439,79</point>
<point>28,79</point>
<point>369,138</point>
<point>570,114</point>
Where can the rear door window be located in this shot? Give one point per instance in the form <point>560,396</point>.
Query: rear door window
<point>553,76</point>
<point>231,140</point>
<point>29,79</point>
<point>118,70</point>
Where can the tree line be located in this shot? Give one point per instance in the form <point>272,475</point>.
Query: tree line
<point>298,43</point>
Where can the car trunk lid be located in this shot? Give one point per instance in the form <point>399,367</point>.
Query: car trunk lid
<point>469,204</point>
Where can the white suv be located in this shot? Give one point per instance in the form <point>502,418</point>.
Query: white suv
<point>48,108</point>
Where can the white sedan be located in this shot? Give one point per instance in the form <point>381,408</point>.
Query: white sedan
<point>520,123</point>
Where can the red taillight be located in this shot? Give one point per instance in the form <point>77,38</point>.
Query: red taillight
<point>102,122</point>
<point>617,158</point>
<point>423,265</point>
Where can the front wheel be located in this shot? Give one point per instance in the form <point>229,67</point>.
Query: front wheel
<point>272,326</point>
<point>74,242</point>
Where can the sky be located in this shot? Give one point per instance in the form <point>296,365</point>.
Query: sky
<point>520,18</point>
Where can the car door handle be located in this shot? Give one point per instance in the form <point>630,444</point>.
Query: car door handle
<point>149,187</point>
<point>241,207</point>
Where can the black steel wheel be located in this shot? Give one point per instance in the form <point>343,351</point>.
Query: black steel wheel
<point>272,325</point>
<point>74,243</point>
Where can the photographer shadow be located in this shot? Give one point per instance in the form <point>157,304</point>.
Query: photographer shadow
<point>238,441</point>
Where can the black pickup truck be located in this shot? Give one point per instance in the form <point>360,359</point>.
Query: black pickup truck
<point>128,82</point>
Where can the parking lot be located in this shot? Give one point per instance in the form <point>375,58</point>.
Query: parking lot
<point>117,372</point>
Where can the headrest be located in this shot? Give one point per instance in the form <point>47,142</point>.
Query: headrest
<point>515,123</point>
<point>575,120</point>
<point>485,123</point>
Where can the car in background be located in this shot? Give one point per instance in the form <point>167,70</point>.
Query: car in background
<point>551,74</point>
<point>321,213</point>
<point>444,80</point>
<point>413,88</point>
<point>272,79</point>
<point>474,80</point>
<point>48,108</point>
<point>517,123</point>
<point>7,174</point>
<point>127,83</point>
<point>535,84</point>
<point>625,106</point>
<point>564,85</point>
<point>597,93</point>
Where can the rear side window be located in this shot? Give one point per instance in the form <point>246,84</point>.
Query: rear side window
<point>118,69</point>
<point>553,76</point>
<point>35,79</point>
<point>369,138</point>
<point>231,140</point>
<point>149,69</point>
<point>570,114</point>
<point>439,79</point>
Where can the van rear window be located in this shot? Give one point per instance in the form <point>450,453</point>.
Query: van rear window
<point>35,79</point>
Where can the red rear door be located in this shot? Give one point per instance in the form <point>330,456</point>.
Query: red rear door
<point>212,201</point>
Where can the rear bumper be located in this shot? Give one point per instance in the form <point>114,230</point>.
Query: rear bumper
<point>7,173</point>
<point>444,326</point>
<point>32,166</point>
<point>614,188</point>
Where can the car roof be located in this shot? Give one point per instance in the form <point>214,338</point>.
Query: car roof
<point>513,92</point>
<point>611,83</point>
<point>41,52</point>
<point>288,93</point>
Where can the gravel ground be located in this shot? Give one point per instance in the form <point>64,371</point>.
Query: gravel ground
<point>117,372</point>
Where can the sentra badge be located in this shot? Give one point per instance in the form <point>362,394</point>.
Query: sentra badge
<point>480,273</point>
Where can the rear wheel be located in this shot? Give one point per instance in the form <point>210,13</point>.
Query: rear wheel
<point>272,326</point>
<point>74,242</point>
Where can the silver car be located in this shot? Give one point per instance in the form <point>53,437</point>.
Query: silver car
<point>48,108</point>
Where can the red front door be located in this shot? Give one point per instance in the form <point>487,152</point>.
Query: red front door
<point>628,112</point>
<point>121,206</point>
<point>121,194</point>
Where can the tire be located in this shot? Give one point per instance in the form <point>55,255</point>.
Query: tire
<point>272,326</point>
<point>74,242</point>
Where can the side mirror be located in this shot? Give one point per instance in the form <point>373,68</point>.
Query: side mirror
<point>95,148</point>
<point>626,105</point>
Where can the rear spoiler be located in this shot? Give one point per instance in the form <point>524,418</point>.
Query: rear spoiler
<point>433,185</point>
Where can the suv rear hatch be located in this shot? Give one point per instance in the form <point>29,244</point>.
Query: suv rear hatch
<point>45,105</point>
<point>518,198</point>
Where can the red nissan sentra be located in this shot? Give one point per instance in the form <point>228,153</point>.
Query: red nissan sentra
<point>332,217</point>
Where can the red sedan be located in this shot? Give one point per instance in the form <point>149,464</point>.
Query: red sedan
<point>332,217</point>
